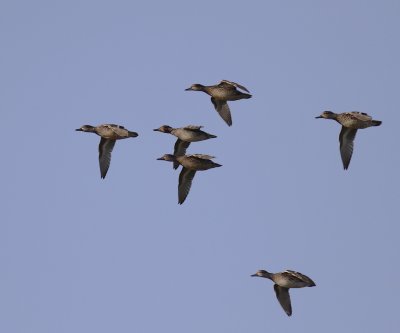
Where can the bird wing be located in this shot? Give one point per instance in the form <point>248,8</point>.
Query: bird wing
<point>300,277</point>
<point>222,108</point>
<point>361,115</point>
<point>180,150</point>
<point>282,294</point>
<point>193,127</point>
<point>113,125</point>
<point>185,182</point>
<point>106,146</point>
<point>202,156</point>
<point>237,85</point>
<point>120,131</point>
<point>346,139</point>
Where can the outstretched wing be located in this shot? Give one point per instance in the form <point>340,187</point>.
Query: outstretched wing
<point>346,139</point>
<point>185,182</point>
<point>282,294</point>
<point>223,110</point>
<point>180,150</point>
<point>106,146</point>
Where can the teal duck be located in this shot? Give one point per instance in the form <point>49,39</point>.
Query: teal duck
<point>220,94</point>
<point>351,122</point>
<point>283,282</point>
<point>190,164</point>
<point>109,133</point>
<point>185,136</point>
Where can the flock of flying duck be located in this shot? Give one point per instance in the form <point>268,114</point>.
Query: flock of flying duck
<point>220,94</point>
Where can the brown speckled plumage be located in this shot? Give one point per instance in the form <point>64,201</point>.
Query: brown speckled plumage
<point>283,282</point>
<point>351,122</point>
<point>220,94</point>
<point>109,133</point>
<point>190,164</point>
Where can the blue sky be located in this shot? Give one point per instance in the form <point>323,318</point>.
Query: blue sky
<point>81,254</point>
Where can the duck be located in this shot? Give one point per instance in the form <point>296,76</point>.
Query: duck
<point>283,282</point>
<point>351,122</point>
<point>109,134</point>
<point>190,165</point>
<point>185,135</point>
<point>221,93</point>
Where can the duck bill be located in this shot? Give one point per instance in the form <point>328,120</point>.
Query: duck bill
<point>188,89</point>
<point>156,130</point>
<point>160,159</point>
<point>253,275</point>
<point>79,130</point>
<point>318,117</point>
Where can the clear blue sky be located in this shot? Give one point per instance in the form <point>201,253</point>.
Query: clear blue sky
<point>80,254</point>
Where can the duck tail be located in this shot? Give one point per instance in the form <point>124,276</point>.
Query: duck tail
<point>246,96</point>
<point>132,134</point>
<point>376,122</point>
<point>211,136</point>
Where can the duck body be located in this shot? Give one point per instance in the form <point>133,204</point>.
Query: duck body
<point>353,119</point>
<point>283,282</point>
<point>224,91</point>
<point>197,162</point>
<point>190,133</point>
<point>221,93</point>
<point>109,134</point>
<point>292,279</point>
<point>351,122</point>
<point>190,165</point>
<point>109,131</point>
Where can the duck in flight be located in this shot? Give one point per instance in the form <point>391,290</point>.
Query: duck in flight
<point>221,93</point>
<point>109,134</point>
<point>190,165</point>
<point>283,282</point>
<point>351,122</point>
